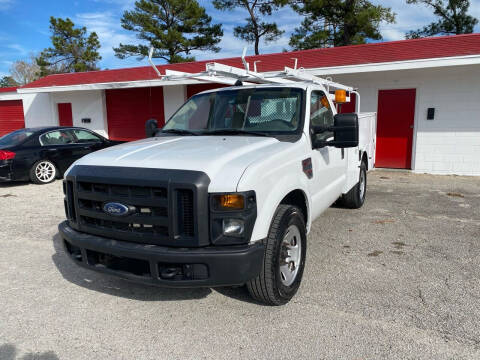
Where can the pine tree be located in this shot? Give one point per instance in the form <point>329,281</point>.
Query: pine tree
<point>338,23</point>
<point>73,50</point>
<point>255,29</point>
<point>453,18</point>
<point>7,81</point>
<point>174,28</point>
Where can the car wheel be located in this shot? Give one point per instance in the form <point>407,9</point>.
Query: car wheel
<point>284,259</point>
<point>43,172</point>
<point>355,198</point>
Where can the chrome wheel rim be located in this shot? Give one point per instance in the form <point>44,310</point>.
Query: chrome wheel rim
<point>290,255</point>
<point>363,184</point>
<point>45,171</point>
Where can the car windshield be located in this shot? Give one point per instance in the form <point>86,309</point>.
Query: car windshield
<point>16,137</point>
<point>258,111</point>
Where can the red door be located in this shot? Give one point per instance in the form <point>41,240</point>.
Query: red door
<point>349,107</point>
<point>11,116</point>
<point>396,113</point>
<point>129,109</point>
<point>65,115</point>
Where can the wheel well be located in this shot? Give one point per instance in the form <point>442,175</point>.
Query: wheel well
<point>297,198</point>
<point>365,159</point>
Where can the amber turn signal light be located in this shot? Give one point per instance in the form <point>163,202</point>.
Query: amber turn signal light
<point>340,96</point>
<point>229,202</point>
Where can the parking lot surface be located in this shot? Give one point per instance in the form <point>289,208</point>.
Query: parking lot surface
<point>397,279</point>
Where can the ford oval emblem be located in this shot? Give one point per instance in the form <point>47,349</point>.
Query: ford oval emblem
<point>116,209</point>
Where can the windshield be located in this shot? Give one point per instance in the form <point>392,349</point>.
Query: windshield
<point>16,137</point>
<point>254,110</point>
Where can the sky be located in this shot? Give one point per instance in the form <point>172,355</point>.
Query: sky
<point>24,27</point>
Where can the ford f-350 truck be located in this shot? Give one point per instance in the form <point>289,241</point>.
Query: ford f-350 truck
<point>224,194</point>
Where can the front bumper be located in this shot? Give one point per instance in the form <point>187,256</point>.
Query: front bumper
<point>164,266</point>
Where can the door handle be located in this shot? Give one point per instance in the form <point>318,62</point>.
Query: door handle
<point>411,126</point>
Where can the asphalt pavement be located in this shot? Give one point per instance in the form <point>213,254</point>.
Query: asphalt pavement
<point>397,279</point>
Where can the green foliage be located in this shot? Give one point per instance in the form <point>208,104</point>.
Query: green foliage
<point>72,51</point>
<point>453,18</point>
<point>7,81</point>
<point>174,28</point>
<point>255,28</point>
<point>338,22</point>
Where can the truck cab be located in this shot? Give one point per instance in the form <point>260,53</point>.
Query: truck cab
<point>224,194</point>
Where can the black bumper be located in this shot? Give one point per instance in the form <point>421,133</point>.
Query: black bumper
<point>164,266</point>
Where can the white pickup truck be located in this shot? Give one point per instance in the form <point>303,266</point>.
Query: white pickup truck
<point>224,194</point>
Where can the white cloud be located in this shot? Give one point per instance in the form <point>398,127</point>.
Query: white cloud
<point>5,4</point>
<point>107,26</point>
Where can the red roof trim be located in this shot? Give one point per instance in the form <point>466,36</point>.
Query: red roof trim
<point>9,89</point>
<point>373,53</point>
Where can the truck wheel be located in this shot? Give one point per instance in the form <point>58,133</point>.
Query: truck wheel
<point>284,260</point>
<point>355,198</point>
<point>43,172</point>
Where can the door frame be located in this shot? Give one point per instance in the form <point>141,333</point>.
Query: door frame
<point>415,116</point>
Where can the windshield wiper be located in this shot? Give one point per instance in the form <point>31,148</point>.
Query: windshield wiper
<point>180,132</point>
<point>234,132</point>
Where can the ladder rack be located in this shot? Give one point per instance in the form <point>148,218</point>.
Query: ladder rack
<point>229,75</point>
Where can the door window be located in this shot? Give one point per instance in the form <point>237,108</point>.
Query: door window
<point>58,137</point>
<point>321,114</point>
<point>83,136</point>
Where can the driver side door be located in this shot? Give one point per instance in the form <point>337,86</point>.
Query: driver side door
<point>328,163</point>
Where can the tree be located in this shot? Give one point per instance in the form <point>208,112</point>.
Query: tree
<point>7,81</point>
<point>453,18</point>
<point>73,49</point>
<point>174,28</point>
<point>255,28</point>
<point>25,71</point>
<point>338,23</point>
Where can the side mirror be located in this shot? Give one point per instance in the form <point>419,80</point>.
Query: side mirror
<point>151,127</point>
<point>345,132</point>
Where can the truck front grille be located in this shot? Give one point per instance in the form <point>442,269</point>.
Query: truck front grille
<point>147,223</point>
<point>165,207</point>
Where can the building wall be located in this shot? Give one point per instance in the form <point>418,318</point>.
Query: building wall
<point>85,104</point>
<point>449,144</point>
<point>173,98</point>
<point>41,109</point>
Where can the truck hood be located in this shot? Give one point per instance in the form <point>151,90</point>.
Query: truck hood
<point>222,158</point>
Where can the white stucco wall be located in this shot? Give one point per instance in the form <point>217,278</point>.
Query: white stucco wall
<point>173,98</point>
<point>41,109</point>
<point>450,144</point>
<point>85,104</point>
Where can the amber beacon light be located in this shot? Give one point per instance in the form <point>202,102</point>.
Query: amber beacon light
<point>340,96</point>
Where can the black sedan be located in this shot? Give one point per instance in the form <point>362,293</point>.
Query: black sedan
<point>44,154</point>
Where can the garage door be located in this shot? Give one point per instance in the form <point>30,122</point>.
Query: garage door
<point>396,112</point>
<point>195,89</point>
<point>129,109</point>
<point>11,116</point>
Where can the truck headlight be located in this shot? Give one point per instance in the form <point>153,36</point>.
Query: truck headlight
<point>232,217</point>
<point>233,227</point>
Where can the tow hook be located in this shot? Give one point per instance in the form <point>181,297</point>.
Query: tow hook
<point>169,273</point>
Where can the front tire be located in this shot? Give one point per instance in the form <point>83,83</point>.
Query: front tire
<point>43,172</point>
<point>355,198</point>
<point>284,259</point>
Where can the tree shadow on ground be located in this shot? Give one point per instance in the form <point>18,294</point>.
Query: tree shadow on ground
<point>9,352</point>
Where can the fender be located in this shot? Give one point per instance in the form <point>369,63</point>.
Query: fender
<point>271,186</point>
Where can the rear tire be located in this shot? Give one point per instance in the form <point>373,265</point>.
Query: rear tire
<point>355,198</point>
<point>43,172</point>
<point>284,259</point>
